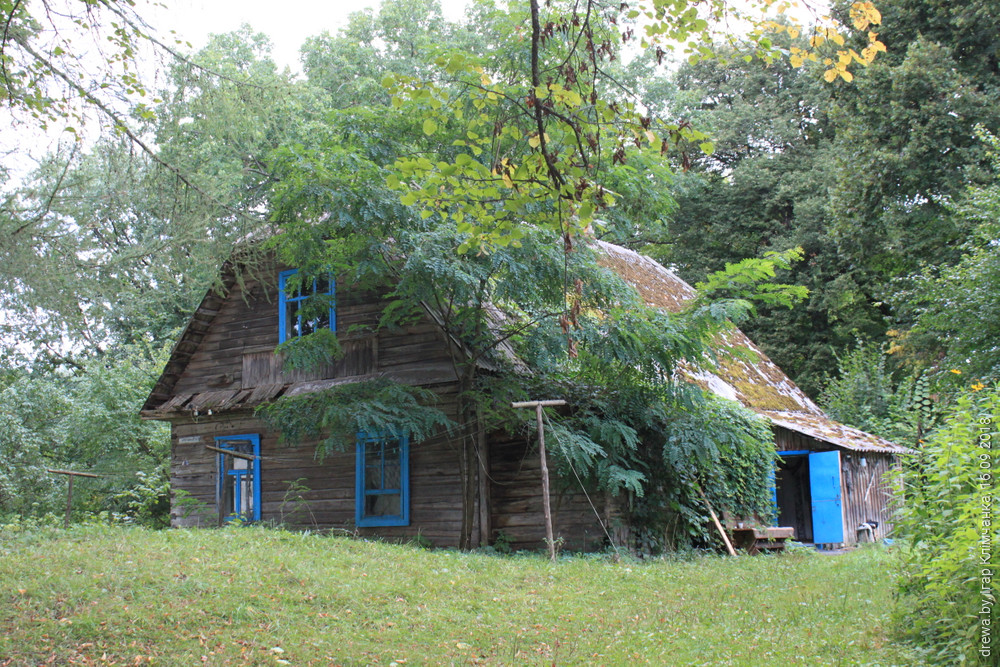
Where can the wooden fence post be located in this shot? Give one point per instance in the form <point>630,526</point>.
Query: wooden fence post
<point>69,488</point>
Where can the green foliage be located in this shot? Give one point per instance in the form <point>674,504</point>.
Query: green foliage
<point>147,501</point>
<point>865,394</point>
<point>948,520</point>
<point>954,308</point>
<point>748,281</point>
<point>86,421</point>
<point>312,351</point>
<point>41,64</point>
<point>335,416</point>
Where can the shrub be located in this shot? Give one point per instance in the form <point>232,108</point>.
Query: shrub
<point>947,520</point>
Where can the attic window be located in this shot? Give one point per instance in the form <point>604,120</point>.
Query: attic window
<point>299,311</point>
<point>382,481</point>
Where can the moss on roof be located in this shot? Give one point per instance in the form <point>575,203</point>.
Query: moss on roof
<point>742,371</point>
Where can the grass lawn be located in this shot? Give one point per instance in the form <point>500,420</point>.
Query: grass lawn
<point>237,596</point>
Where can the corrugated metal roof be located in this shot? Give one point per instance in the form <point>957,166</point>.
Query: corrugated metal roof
<point>742,372</point>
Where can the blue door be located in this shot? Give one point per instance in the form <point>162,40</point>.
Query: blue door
<point>824,483</point>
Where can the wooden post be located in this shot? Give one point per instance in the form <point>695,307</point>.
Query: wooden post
<point>546,505</point>
<point>69,489</point>
<point>69,501</point>
<point>718,524</point>
<point>234,454</point>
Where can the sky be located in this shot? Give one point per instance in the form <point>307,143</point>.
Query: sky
<point>287,22</point>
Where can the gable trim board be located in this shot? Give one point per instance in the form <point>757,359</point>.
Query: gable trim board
<point>223,366</point>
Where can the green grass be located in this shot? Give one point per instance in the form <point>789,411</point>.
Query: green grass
<point>95,595</point>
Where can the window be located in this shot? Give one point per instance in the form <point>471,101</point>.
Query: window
<point>295,317</point>
<point>239,477</point>
<point>382,481</point>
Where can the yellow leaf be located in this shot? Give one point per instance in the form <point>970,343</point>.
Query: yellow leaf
<point>817,40</point>
<point>837,39</point>
<point>534,141</point>
<point>847,76</point>
<point>793,33</point>
<point>829,75</point>
<point>796,60</point>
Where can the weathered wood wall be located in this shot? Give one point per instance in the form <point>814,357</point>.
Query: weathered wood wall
<point>516,501</point>
<point>866,492</point>
<point>237,352</point>
<point>302,491</point>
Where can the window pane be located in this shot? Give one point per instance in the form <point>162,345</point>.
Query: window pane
<point>392,452</point>
<point>314,323</point>
<point>392,477</point>
<point>373,477</point>
<point>323,285</point>
<point>291,320</point>
<point>382,505</point>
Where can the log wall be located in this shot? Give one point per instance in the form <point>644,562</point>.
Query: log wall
<point>300,490</point>
<point>516,501</point>
<point>237,352</point>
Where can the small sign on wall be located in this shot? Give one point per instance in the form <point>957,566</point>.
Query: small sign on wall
<point>189,440</point>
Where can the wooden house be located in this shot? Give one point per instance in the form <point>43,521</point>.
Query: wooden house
<point>226,463</point>
<point>831,481</point>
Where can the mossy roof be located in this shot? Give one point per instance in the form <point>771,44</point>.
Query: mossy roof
<point>741,371</point>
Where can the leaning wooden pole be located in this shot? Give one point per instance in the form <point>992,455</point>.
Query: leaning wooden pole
<point>546,504</point>
<point>718,524</point>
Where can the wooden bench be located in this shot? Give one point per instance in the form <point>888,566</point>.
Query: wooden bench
<point>754,540</point>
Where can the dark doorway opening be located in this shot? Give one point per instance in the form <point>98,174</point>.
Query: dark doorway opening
<point>793,497</point>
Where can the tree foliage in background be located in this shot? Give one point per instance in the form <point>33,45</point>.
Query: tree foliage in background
<point>868,395</point>
<point>798,162</point>
<point>87,420</point>
<point>954,307</point>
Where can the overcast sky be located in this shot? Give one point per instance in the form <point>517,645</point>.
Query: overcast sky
<point>287,22</point>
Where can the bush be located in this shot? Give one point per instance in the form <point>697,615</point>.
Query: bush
<point>947,521</point>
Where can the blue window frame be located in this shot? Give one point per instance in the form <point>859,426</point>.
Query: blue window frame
<point>382,492</point>
<point>239,477</point>
<point>292,320</point>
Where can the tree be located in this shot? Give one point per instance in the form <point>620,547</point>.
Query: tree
<point>954,308</point>
<point>764,189</point>
<point>86,420</point>
<point>501,265</point>
<point>105,253</point>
